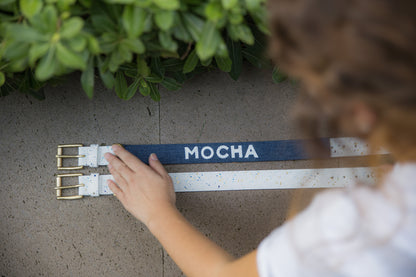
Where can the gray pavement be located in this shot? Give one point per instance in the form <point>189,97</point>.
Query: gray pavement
<point>41,236</point>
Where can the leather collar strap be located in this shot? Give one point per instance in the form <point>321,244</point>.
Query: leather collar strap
<point>96,184</point>
<point>256,151</point>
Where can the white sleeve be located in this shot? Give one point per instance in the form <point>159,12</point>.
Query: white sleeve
<point>315,242</point>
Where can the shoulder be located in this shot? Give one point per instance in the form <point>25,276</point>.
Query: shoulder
<point>341,225</point>
<point>300,242</point>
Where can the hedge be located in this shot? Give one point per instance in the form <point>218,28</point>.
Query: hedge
<point>132,45</point>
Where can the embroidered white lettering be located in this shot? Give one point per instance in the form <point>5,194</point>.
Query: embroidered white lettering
<point>222,152</point>
<point>194,151</point>
<point>251,151</point>
<point>220,155</point>
<point>238,151</point>
<point>210,155</point>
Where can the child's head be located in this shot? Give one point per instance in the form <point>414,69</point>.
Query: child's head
<point>357,63</point>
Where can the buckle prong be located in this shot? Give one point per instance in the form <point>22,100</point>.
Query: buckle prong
<point>59,186</point>
<point>60,156</point>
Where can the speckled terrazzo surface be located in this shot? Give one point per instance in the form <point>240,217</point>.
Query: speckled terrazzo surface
<point>41,236</point>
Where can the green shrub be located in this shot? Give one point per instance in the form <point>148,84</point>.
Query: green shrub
<point>133,45</point>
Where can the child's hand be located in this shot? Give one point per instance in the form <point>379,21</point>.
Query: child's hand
<point>145,191</point>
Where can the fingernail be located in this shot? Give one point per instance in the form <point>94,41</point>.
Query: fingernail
<point>153,156</point>
<point>116,146</point>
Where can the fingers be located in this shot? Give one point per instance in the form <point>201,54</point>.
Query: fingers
<point>115,189</point>
<point>121,182</point>
<point>129,159</point>
<point>115,164</point>
<point>157,166</point>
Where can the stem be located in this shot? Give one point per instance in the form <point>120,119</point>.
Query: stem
<point>187,51</point>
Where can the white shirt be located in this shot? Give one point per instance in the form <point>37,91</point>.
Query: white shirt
<point>356,232</point>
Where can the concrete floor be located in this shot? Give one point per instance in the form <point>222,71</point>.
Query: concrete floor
<point>41,236</point>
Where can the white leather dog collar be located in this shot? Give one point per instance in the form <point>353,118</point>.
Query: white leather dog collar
<point>96,184</point>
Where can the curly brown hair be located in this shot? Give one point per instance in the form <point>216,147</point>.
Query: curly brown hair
<point>346,49</point>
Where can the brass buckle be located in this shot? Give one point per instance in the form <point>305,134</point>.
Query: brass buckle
<point>59,186</point>
<point>60,156</point>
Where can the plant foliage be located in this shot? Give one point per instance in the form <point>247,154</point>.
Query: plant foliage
<point>132,45</point>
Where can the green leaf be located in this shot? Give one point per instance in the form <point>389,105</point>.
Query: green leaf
<point>167,42</point>
<point>5,3</point>
<point>115,61</point>
<point>210,38</point>
<point>132,89</point>
<point>179,77</point>
<point>78,43</point>
<point>148,23</point>
<point>30,7</point>
<point>71,27</point>
<point>229,4</point>
<point>121,85</point>
<point>103,23</point>
<point>108,79</point>
<point>168,54</point>
<point>47,65</point>
<point>207,62</point>
<point>164,19</point>
<point>154,92</point>
<point>36,51</point>
<point>122,1</point>
<point>157,66</point>
<point>108,42</point>
<point>245,34</point>
<point>173,64</point>
<point>224,63</point>
<point>167,4</point>
<point>222,50</point>
<point>214,11</point>
<point>170,84</point>
<point>49,17</point>
<point>191,62</point>
<point>87,79</point>
<point>193,24</point>
<point>253,4</point>
<point>153,78</point>
<point>134,19</point>
<point>130,70</point>
<point>16,51</point>
<point>236,19</point>
<point>232,31</point>
<point>69,58</point>
<point>278,76</point>
<point>259,16</point>
<point>142,68</point>
<point>134,45</point>
<point>241,32</point>
<point>234,48</point>
<point>64,5</point>
<point>144,88</point>
<point>93,45</point>
<point>124,53</point>
<point>179,30</point>
<point>23,33</point>
<point>2,78</point>
<point>17,65</point>
<point>106,76</point>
